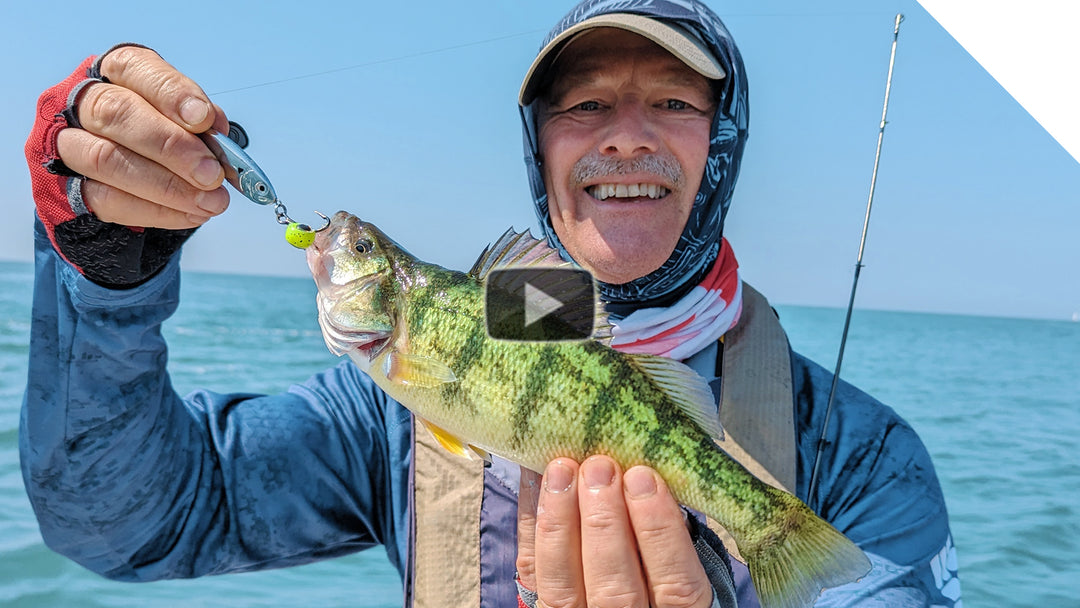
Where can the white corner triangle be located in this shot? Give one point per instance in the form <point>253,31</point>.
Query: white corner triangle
<point>1029,48</point>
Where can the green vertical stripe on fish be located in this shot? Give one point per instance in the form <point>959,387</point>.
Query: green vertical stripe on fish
<point>418,330</point>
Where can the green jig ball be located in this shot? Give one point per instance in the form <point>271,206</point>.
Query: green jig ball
<point>299,235</point>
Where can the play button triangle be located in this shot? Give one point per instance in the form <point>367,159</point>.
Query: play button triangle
<point>538,304</point>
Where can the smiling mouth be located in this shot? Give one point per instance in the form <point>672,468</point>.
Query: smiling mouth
<point>606,191</point>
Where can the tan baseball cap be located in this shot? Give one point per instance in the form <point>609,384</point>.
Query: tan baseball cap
<point>676,39</point>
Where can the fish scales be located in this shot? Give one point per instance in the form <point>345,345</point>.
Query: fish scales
<point>418,330</point>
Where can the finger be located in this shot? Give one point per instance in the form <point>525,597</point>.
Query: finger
<point>559,581</point>
<point>674,573</point>
<point>112,205</point>
<point>173,94</point>
<point>528,498</point>
<point>122,116</point>
<point>609,557</point>
<point>108,163</point>
<point>221,123</point>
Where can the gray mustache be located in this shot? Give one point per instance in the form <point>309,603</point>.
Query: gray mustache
<point>595,165</point>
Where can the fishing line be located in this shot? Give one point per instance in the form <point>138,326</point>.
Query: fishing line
<point>487,41</point>
<point>378,62</point>
<point>858,266</point>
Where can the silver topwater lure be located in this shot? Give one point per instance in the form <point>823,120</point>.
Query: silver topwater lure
<point>249,180</point>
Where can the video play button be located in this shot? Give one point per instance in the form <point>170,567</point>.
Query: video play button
<point>539,304</point>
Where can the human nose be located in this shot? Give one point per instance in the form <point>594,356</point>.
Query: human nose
<point>630,132</point>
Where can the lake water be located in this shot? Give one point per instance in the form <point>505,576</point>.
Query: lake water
<point>997,402</point>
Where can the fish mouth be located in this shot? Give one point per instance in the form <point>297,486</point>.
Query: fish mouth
<point>373,348</point>
<point>326,238</point>
<point>343,337</point>
<point>344,340</point>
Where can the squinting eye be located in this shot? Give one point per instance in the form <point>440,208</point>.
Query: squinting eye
<point>677,104</point>
<point>364,246</point>
<point>588,106</point>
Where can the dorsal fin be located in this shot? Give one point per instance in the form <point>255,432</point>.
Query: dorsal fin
<point>686,388</point>
<point>523,250</point>
<point>517,249</point>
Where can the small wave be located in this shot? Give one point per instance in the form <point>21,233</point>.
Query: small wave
<point>219,330</point>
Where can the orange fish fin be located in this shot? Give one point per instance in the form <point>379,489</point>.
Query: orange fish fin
<point>453,444</point>
<point>446,440</point>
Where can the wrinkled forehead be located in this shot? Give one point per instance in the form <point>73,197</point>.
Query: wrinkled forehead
<point>594,54</point>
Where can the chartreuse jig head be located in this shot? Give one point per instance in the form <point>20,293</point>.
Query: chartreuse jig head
<point>302,236</point>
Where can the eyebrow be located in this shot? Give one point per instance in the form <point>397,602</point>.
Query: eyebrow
<point>585,72</point>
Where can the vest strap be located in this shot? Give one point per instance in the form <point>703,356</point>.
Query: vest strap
<point>448,494</point>
<point>757,405</point>
<point>757,402</point>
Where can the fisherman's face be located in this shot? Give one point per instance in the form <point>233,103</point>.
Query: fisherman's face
<point>622,113</point>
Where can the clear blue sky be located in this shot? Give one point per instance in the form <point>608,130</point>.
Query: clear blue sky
<point>976,207</point>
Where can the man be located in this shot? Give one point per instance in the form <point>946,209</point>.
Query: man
<point>635,118</point>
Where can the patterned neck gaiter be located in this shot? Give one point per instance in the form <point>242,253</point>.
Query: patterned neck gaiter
<point>687,326</point>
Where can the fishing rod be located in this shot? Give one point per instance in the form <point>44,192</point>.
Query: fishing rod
<point>858,264</point>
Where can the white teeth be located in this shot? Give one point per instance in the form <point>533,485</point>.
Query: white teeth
<point>605,191</point>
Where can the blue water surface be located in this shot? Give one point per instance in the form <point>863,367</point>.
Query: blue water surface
<point>997,402</point>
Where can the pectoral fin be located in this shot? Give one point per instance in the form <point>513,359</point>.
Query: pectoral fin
<point>414,370</point>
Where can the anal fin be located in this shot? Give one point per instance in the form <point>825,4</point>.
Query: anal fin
<point>454,444</point>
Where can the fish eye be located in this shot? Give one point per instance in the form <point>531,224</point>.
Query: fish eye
<point>364,246</point>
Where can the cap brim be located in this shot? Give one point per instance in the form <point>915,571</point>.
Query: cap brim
<point>674,39</point>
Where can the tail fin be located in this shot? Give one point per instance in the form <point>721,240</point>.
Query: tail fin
<point>810,555</point>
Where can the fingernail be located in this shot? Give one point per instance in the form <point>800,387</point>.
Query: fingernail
<point>558,478</point>
<point>194,111</point>
<point>207,172</point>
<point>198,220</point>
<point>598,473</point>
<point>211,202</point>
<point>639,483</point>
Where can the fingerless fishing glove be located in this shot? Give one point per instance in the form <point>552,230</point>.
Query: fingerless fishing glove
<point>108,254</point>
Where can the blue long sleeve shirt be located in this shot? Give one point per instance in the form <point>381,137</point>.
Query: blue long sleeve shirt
<point>137,483</point>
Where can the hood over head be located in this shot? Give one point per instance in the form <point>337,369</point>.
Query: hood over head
<point>692,32</point>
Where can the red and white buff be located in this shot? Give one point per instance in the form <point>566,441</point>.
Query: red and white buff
<point>704,314</point>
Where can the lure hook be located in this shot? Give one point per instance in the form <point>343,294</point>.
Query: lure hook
<point>326,222</point>
<point>283,218</point>
<point>298,235</point>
